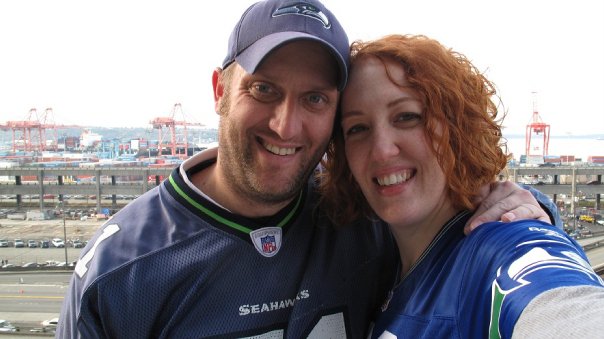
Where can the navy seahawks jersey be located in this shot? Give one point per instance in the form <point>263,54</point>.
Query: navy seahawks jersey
<point>171,264</point>
<point>478,286</point>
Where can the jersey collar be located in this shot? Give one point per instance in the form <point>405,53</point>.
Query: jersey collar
<point>188,195</point>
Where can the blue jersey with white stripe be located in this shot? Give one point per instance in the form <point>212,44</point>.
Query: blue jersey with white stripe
<point>174,265</point>
<point>477,286</point>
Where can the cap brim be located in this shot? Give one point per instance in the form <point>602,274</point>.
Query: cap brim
<point>251,58</point>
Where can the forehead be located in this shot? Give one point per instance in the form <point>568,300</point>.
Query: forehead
<point>370,67</point>
<point>377,85</point>
<point>301,55</point>
<point>373,81</point>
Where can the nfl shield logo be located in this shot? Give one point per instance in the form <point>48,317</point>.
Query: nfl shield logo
<point>268,244</point>
<point>267,240</point>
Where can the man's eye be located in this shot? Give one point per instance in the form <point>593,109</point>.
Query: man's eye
<point>261,88</point>
<point>316,99</point>
<point>263,91</point>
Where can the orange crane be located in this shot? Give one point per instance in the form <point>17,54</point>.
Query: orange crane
<point>30,134</point>
<point>26,133</point>
<point>170,123</point>
<point>535,128</point>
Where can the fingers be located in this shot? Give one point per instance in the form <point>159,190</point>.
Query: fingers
<point>498,201</point>
<point>506,202</point>
<point>524,211</point>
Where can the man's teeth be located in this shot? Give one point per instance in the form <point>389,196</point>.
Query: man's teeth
<point>394,178</point>
<point>279,151</point>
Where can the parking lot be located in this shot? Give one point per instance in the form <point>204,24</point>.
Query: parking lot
<point>41,232</point>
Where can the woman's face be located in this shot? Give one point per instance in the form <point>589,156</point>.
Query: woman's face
<point>386,147</point>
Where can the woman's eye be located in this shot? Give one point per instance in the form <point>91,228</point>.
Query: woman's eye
<point>355,129</point>
<point>408,119</point>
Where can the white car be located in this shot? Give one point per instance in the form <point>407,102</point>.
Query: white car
<point>50,325</point>
<point>6,326</point>
<point>50,322</point>
<point>58,242</point>
<point>31,265</point>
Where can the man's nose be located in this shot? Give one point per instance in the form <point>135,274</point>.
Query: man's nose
<point>287,119</point>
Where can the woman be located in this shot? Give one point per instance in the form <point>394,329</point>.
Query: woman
<point>419,136</point>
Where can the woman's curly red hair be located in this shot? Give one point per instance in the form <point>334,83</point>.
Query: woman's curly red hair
<point>458,99</point>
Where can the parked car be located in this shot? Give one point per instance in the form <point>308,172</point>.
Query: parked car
<point>6,326</point>
<point>44,244</point>
<point>78,244</point>
<point>19,243</point>
<point>3,243</point>
<point>31,265</point>
<point>32,243</point>
<point>58,242</point>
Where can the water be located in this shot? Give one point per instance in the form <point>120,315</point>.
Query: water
<point>579,146</point>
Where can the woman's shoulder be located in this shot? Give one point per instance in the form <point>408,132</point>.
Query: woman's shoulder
<point>504,234</point>
<point>517,262</point>
<point>520,245</point>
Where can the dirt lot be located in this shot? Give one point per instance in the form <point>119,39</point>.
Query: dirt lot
<point>44,230</point>
<point>48,229</point>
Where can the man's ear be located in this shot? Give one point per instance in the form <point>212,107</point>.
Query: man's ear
<point>218,87</point>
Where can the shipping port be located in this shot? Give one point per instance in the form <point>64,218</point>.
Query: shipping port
<point>50,169</point>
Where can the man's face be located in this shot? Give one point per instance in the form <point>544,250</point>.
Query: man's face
<point>277,122</point>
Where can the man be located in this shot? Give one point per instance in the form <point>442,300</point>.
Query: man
<point>233,243</point>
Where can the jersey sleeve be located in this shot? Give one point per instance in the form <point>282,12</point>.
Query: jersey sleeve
<point>565,312</point>
<point>541,259</point>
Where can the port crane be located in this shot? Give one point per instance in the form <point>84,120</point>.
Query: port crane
<point>171,123</point>
<point>30,134</point>
<point>535,128</point>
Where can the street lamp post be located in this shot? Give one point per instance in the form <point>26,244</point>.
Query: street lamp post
<point>64,231</point>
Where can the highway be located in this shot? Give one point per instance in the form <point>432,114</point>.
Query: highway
<point>596,257</point>
<point>28,298</point>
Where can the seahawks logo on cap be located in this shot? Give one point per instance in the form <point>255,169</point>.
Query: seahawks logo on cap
<point>305,9</point>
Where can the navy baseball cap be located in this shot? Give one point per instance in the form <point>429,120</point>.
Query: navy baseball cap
<point>269,24</point>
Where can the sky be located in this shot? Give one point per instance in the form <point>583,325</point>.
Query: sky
<point>121,63</point>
